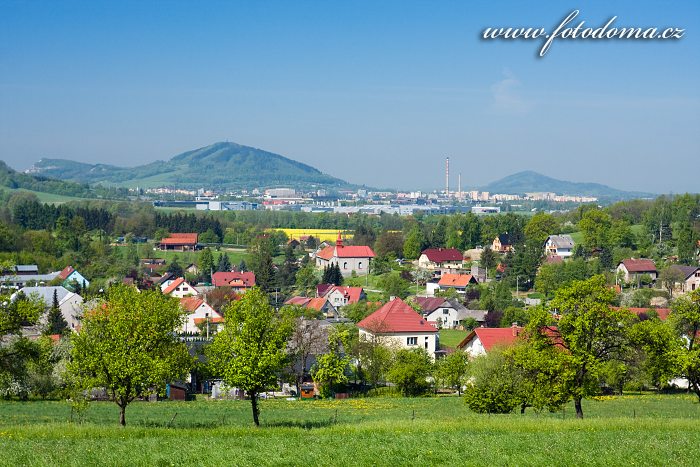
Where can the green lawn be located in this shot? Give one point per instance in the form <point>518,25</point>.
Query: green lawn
<point>451,337</point>
<point>48,197</point>
<point>629,430</point>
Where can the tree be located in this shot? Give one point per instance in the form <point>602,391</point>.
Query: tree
<point>540,226</point>
<point>389,243</point>
<point>596,225</point>
<point>413,245</point>
<point>224,264</point>
<point>488,259</point>
<point>250,351</point>
<point>261,253</point>
<point>330,368</point>
<point>242,267</point>
<point>410,370</point>
<point>288,271</point>
<point>308,338</point>
<point>127,345</point>
<point>591,331</point>
<point>174,268</point>
<point>307,279</point>
<point>206,264</point>
<point>669,277</point>
<point>360,310</point>
<point>452,370</point>
<point>394,285</point>
<point>685,320</point>
<point>209,236</point>
<point>56,324</point>
<point>494,386</point>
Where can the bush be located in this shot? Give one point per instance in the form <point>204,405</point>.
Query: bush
<point>410,370</point>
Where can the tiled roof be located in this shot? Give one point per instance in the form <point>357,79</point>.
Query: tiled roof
<point>456,280</point>
<point>173,285</point>
<point>234,278</point>
<point>504,239</point>
<point>429,304</point>
<point>491,337</point>
<point>687,271</point>
<point>301,301</point>
<point>353,294</point>
<point>322,289</point>
<point>67,271</point>
<point>440,255</point>
<point>561,241</point>
<point>180,239</point>
<point>639,265</point>
<point>396,316</point>
<point>190,304</point>
<point>342,251</point>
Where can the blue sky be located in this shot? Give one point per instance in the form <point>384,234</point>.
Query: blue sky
<point>372,92</point>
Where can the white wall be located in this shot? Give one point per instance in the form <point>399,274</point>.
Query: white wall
<point>424,340</point>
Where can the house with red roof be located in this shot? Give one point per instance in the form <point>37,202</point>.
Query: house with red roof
<point>238,281</point>
<point>349,259</point>
<point>396,324</point>
<point>70,276</point>
<point>320,304</point>
<point>482,340</point>
<point>179,242</point>
<point>633,269</point>
<point>691,277</point>
<point>179,288</point>
<point>459,282</point>
<point>441,258</point>
<point>340,295</point>
<point>198,312</point>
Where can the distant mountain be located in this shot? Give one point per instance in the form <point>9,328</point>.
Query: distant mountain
<point>221,166</point>
<point>10,178</point>
<point>529,182</point>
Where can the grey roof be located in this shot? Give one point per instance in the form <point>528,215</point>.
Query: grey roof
<point>27,268</point>
<point>29,278</point>
<point>686,270</point>
<point>463,312</point>
<point>46,293</point>
<point>561,241</point>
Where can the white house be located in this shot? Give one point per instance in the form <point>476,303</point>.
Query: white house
<point>691,277</point>
<point>559,245</point>
<point>70,303</point>
<point>481,340</point>
<point>199,311</point>
<point>348,258</point>
<point>396,324</point>
<point>340,295</point>
<point>179,288</point>
<point>450,314</point>
<point>632,269</point>
<point>440,258</point>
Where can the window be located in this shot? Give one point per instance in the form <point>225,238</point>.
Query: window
<point>411,341</point>
<point>345,265</point>
<point>359,265</point>
<point>445,311</point>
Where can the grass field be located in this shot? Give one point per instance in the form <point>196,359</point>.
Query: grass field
<point>48,197</point>
<point>628,430</point>
<point>451,337</point>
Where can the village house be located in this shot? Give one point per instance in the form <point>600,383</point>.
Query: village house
<point>199,311</point>
<point>238,281</point>
<point>448,313</point>
<point>396,324</point>
<point>348,258</point>
<point>559,245</point>
<point>71,276</point>
<point>70,303</point>
<point>691,276</point>
<point>440,258</point>
<point>179,242</point>
<point>502,243</point>
<point>339,295</point>
<point>482,340</point>
<point>320,304</point>
<point>459,282</point>
<point>633,269</point>
<point>179,288</point>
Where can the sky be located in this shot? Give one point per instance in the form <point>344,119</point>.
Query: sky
<point>376,93</point>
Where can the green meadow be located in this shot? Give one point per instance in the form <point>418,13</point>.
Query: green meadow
<point>625,430</point>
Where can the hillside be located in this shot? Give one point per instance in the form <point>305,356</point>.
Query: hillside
<point>13,180</point>
<point>529,181</point>
<point>220,165</point>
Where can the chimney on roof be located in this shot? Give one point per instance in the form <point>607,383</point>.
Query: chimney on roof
<point>514,328</point>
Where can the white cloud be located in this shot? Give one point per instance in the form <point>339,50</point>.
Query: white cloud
<point>506,95</point>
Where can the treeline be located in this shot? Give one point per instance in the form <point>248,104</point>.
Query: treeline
<point>179,222</point>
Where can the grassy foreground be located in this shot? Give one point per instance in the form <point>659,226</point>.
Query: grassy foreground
<point>629,430</point>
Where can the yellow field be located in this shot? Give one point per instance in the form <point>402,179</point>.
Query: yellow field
<point>324,235</point>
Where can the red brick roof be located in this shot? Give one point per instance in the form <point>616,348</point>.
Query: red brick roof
<point>233,279</point>
<point>396,316</point>
<point>190,304</point>
<point>353,294</point>
<point>173,285</point>
<point>301,301</point>
<point>67,271</point>
<point>456,280</point>
<point>639,265</point>
<point>180,239</point>
<point>491,337</point>
<point>342,251</point>
<point>313,303</point>
<point>662,313</point>
<point>429,304</point>
<point>440,255</point>
<point>322,289</point>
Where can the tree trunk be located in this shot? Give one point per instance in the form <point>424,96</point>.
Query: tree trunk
<point>254,404</point>
<point>579,409</point>
<point>695,388</point>
<point>122,414</point>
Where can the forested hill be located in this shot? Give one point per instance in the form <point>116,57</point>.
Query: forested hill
<point>530,182</point>
<point>10,178</point>
<point>222,165</point>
